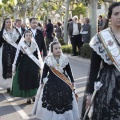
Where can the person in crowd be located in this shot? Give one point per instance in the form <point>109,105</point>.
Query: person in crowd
<point>9,38</point>
<point>49,31</point>
<point>26,67</point>
<point>100,23</point>
<point>39,26</point>
<point>69,21</point>
<point>44,29</point>
<point>57,100</point>
<point>19,28</point>
<point>38,36</point>
<point>85,31</point>
<point>74,29</point>
<point>55,39</point>
<point>105,68</point>
<point>58,31</point>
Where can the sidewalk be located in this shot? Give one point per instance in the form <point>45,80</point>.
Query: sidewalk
<point>78,58</point>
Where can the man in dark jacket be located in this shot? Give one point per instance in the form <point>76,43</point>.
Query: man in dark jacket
<point>74,29</point>
<point>49,31</point>
<point>19,28</point>
<point>38,35</point>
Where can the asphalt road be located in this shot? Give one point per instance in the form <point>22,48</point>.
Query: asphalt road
<point>17,109</point>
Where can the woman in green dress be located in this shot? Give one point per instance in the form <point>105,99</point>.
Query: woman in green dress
<point>26,68</point>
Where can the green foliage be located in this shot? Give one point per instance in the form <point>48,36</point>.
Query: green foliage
<point>79,9</point>
<point>5,1</point>
<point>0,14</point>
<point>86,51</point>
<point>67,48</point>
<point>61,41</point>
<point>1,5</point>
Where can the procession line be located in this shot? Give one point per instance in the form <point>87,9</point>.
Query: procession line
<point>17,108</point>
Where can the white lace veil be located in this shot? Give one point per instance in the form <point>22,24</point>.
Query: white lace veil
<point>33,40</point>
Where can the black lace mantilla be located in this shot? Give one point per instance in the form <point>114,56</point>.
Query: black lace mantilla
<point>8,55</point>
<point>57,96</point>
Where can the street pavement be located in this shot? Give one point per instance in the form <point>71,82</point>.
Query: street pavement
<point>15,108</point>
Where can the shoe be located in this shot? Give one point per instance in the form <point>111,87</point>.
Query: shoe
<point>8,90</point>
<point>28,101</point>
<point>33,99</point>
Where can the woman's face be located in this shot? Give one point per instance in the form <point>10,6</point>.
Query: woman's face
<point>56,50</point>
<point>28,37</point>
<point>115,17</point>
<point>8,23</point>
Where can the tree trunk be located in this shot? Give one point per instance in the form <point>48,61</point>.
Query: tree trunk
<point>24,18</point>
<point>93,16</point>
<point>36,7</point>
<point>66,21</point>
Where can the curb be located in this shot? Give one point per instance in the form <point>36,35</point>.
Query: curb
<point>78,58</point>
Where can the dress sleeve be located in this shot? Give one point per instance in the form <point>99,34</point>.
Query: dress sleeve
<point>45,71</point>
<point>36,54</point>
<point>94,69</point>
<point>17,58</point>
<point>69,72</point>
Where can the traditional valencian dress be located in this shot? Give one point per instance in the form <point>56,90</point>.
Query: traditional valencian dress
<point>107,100</point>
<point>27,76</point>
<point>57,100</point>
<point>9,43</point>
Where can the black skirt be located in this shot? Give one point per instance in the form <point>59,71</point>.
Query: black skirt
<point>8,55</point>
<point>107,99</point>
<point>29,73</point>
<point>57,95</point>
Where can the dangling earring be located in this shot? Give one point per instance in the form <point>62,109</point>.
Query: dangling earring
<point>109,24</point>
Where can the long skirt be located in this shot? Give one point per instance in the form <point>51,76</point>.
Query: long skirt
<point>107,99</point>
<point>50,110</point>
<point>6,72</point>
<point>26,80</point>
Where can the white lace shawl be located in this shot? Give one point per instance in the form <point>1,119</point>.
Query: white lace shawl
<point>33,47</point>
<point>51,62</point>
<point>14,36</point>
<point>98,47</point>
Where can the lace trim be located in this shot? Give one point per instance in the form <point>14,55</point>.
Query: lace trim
<point>99,48</point>
<point>51,62</point>
<point>14,35</point>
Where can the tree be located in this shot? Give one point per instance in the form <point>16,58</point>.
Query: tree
<point>66,21</point>
<point>79,9</point>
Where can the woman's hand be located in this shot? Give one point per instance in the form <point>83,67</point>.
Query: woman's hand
<point>88,101</point>
<point>73,84</point>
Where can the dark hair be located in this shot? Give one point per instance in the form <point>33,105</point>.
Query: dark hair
<point>17,20</point>
<point>39,25</point>
<point>53,34</point>
<point>53,43</point>
<point>27,31</point>
<point>58,23</point>
<point>49,20</point>
<point>100,16</point>
<point>87,20</point>
<point>70,20</point>
<point>3,26</point>
<point>32,19</point>
<point>110,10</point>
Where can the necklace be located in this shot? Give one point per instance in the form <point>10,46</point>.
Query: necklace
<point>57,59</point>
<point>28,43</point>
<point>116,38</point>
